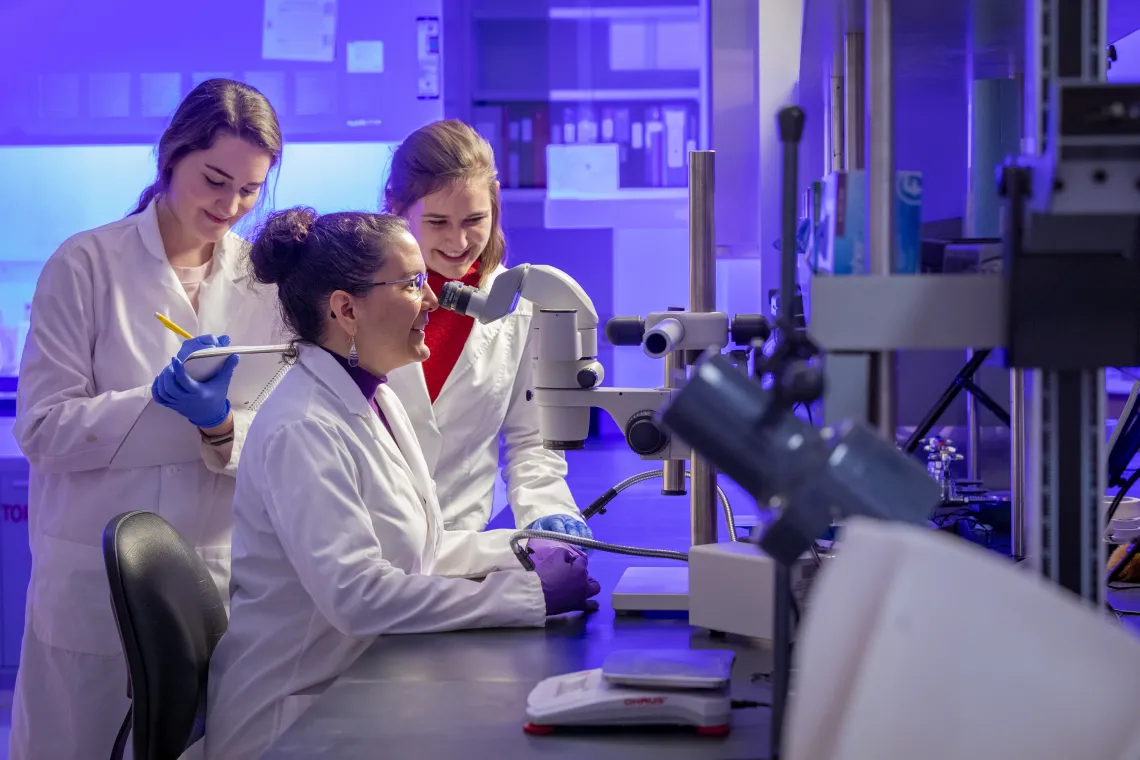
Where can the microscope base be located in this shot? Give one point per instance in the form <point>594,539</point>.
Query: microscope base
<point>734,585</point>
<point>652,589</point>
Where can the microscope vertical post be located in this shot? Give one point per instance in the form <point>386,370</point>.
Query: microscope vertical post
<point>881,196</point>
<point>702,298</point>
<point>1018,416</point>
<point>853,60</point>
<point>673,470</point>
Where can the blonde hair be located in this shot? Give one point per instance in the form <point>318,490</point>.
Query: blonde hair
<point>436,156</point>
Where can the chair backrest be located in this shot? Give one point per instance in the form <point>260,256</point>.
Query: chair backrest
<point>170,617</point>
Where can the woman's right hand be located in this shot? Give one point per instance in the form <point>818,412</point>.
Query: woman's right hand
<point>566,584</point>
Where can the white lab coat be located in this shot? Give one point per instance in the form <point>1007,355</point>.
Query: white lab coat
<point>338,538</point>
<point>92,352</point>
<point>483,399</point>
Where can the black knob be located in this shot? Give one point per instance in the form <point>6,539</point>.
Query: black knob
<point>625,331</point>
<point>644,435</point>
<point>749,327</point>
<point>1013,178</point>
<point>587,378</point>
<point>791,123</point>
<point>801,383</point>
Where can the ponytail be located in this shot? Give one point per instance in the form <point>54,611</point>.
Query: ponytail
<point>147,196</point>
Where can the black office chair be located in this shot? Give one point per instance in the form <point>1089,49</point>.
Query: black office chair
<point>170,616</point>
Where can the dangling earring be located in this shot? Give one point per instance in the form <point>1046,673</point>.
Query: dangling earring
<point>353,357</point>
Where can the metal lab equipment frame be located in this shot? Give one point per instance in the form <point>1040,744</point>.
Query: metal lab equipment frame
<point>1058,405</point>
<point>657,588</point>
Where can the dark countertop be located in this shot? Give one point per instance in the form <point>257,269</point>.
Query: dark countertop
<point>458,695</point>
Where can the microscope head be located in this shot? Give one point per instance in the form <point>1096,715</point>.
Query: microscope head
<point>563,367</point>
<point>564,330</point>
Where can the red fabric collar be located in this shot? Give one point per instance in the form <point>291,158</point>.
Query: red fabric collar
<point>437,280</point>
<point>446,334</point>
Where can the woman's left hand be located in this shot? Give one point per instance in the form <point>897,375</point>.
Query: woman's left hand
<point>205,403</point>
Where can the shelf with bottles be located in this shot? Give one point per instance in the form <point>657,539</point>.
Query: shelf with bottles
<point>583,10</point>
<point>588,51</point>
<point>574,96</point>
<point>563,147</point>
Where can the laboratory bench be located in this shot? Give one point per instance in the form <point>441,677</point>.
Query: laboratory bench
<point>463,694</point>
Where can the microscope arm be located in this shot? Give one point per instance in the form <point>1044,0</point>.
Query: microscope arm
<point>632,409</point>
<point>544,286</point>
<point>550,288</point>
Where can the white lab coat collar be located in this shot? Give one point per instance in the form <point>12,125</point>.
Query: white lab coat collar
<point>329,373</point>
<point>220,304</point>
<point>413,386</point>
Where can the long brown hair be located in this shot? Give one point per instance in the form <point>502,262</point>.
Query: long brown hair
<point>432,158</point>
<point>213,107</point>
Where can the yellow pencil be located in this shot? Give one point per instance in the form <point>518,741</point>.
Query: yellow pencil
<point>173,327</point>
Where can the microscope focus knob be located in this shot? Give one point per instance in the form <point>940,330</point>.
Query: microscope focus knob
<point>587,378</point>
<point>750,327</point>
<point>625,331</point>
<point>644,435</point>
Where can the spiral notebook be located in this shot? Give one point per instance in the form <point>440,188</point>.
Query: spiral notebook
<point>161,436</point>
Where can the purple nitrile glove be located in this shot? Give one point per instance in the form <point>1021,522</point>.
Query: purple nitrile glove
<point>566,584</point>
<point>571,526</point>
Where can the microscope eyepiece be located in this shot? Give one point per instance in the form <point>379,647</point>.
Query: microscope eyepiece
<point>662,337</point>
<point>454,296</point>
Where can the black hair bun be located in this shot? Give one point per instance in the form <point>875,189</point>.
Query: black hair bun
<point>280,244</point>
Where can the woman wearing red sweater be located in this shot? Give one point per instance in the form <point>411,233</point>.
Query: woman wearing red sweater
<point>472,391</point>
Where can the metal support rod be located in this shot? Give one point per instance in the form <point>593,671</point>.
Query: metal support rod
<point>836,157</point>
<point>881,195</point>
<point>835,104</point>
<point>853,101</point>
<point>673,470</point>
<point>1017,417</point>
<point>962,381</point>
<point>702,297</point>
<point>781,655</point>
<point>973,431</point>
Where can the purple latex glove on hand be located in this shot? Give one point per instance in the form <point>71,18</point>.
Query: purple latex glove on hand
<point>566,584</point>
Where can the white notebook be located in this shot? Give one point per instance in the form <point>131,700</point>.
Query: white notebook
<point>161,436</point>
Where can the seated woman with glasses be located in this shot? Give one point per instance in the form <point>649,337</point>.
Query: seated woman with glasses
<point>338,535</point>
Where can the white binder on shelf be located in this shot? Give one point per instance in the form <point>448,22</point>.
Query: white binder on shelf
<point>161,436</point>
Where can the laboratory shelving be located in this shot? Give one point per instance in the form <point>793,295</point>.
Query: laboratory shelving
<point>581,74</point>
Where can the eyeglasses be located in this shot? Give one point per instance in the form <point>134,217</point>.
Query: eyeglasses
<point>418,281</point>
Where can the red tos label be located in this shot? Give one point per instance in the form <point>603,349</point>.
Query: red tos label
<point>639,701</point>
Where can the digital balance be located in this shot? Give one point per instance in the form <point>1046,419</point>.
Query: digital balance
<point>638,688</point>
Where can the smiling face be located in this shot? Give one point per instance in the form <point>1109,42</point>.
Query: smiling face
<point>211,189</point>
<point>388,321</point>
<point>453,227</point>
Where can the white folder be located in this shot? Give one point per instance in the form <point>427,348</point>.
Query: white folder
<point>921,645</point>
<point>161,436</point>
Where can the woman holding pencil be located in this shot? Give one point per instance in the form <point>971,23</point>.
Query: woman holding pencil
<point>94,360</point>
